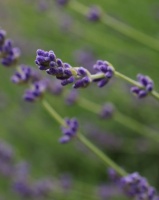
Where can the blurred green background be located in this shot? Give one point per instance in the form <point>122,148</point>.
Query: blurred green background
<point>28,127</point>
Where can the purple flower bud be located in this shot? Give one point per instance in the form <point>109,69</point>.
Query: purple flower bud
<point>147,84</point>
<point>59,62</point>
<point>102,82</point>
<point>107,111</point>
<point>23,75</point>
<point>94,14</point>
<point>52,56</point>
<point>64,139</point>
<point>135,90</point>
<point>69,131</point>
<point>68,81</point>
<point>82,71</point>
<point>149,87</point>
<point>66,65</point>
<point>2,36</point>
<point>142,93</point>
<point>37,90</point>
<point>109,74</point>
<point>67,72</point>
<point>40,52</point>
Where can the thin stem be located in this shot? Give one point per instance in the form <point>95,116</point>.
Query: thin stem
<point>89,105</point>
<point>101,155</point>
<point>119,26</point>
<point>85,141</point>
<point>129,80</point>
<point>122,119</point>
<point>136,126</point>
<point>53,113</point>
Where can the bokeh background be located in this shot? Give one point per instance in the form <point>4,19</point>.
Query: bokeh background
<point>34,135</point>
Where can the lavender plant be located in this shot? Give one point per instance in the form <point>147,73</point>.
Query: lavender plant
<point>132,184</point>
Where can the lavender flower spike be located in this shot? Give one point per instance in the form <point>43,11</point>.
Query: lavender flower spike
<point>147,85</point>
<point>8,53</point>
<point>36,92</point>
<point>69,131</point>
<point>134,185</point>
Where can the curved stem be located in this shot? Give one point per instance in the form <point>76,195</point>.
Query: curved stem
<point>85,141</point>
<point>119,26</point>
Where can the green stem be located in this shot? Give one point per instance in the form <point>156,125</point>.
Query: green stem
<point>119,26</point>
<point>122,119</point>
<point>53,113</point>
<point>85,141</point>
<point>136,126</point>
<point>101,155</point>
<point>129,80</point>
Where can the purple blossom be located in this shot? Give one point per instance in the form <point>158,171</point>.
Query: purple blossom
<point>105,68</point>
<point>147,85</point>
<point>25,74</point>
<point>134,185</point>
<point>69,131</point>
<point>8,54</point>
<point>37,90</point>
<point>107,111</point>
<point>82,83</point>
<point>94,13</point>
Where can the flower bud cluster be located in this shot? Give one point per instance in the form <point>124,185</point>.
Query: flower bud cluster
<point>134,185</point>
<point>22,75</point>
<point>137,186</point>
<point>106,69</point>
<point>69,131</point>
<point>80,76</point>
<point>8,54</point>
<point>63,71</point>
<point>36,91</point>
<point>147,84</point>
